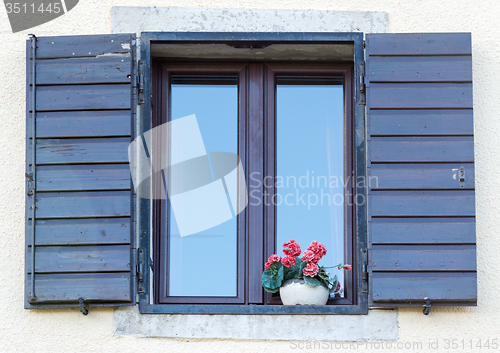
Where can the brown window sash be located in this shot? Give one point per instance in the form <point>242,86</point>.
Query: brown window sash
<point>256,148</point>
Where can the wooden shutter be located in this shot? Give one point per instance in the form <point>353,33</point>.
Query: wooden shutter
<point>79,124</point>
<point>421,209</point>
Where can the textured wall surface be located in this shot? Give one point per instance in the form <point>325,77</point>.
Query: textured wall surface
<point>125,19</point>
<point>378,325</point>
<point>66,330</point>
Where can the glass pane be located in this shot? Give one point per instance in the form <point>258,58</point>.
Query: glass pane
<point>196,261</point>
<point>310,166</point>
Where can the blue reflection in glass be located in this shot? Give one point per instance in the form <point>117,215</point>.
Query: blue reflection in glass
<point>310,168</point>
<point>205,263</point>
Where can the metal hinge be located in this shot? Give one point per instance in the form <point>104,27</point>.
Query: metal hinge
<point>140,82</point>
<point>140,265</point>
<point>362,85</point>
<point>29,176</point>
<point>364,270</point>
<point>141,269</point>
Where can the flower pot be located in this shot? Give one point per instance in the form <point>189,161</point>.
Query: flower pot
<point>298,292</point>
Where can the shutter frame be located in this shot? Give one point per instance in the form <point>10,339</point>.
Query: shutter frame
<point>421,218</point>
<point>84,221</point>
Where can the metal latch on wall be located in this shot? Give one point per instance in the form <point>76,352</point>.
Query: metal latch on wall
<point>459,175</point>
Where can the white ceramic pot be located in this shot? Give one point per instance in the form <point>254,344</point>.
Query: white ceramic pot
<point>298,292</point>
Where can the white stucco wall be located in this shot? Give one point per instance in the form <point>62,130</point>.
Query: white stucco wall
<point>66,330</point>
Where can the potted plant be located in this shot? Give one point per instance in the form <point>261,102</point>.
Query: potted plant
<point>300,281</point>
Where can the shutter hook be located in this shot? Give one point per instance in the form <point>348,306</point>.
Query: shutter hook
<point>83,308</point>
<point>427,306</point>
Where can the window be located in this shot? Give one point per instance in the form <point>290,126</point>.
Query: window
<point>410,234</point>
<point>275,116</point>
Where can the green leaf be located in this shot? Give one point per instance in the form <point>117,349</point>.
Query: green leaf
<point>334,281</point>
<point>303,265</point>
<point>271,290</point>
<point>272,279</point>
<point>312,281</point>
<point>275,266</point>
<point>293,272</point>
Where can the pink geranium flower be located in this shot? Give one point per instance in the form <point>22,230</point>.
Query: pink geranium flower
<point>288,261</point>
<point>272,259</point>
<point>311,269</point>
<point>310,256</point>
<point>318,248</point>
<point>292,248</point>
<point>347,267</point>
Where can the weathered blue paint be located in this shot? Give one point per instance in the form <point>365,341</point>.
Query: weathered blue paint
<point>420,95</point>
<point>91,258</point>
<point>90,231</point>
<point>91,150</point>
<point>422,149</point>
<point>83,124</point>
<point>421,176</point>
<point>83,226</point>
<point>423,203</point>
<point>83,177</point>
<point>421,122</point>
<point>442,230</point>
<point>96,288</point>
<point>420,69</point>
<point>421,214</point>
<point>410,44</point>
<point>83,97</point>
<point>84,46</point>
<point>83,204</point>
<point>423,257</point>
<point>106,69</point>
<point>409,288</point>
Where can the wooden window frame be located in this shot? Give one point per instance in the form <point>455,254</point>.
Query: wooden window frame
<point>356,300</point>
<point>345,70</point>
<point>163,71</point>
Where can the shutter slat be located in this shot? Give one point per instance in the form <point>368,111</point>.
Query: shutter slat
<point>419,44</point>
<point>84,46</point>
<point>420,95</point>
<point>102,258</point>
<point>410,288</point>
<point>421,122</point>
<point>98,150</point>
<point>421,69</point>
<point>423,203</point>
<point>420,144</point>
<point>424,257</point>
<point>93,287</point>
<point>83,216</point>
<point>422,149</point>
<point>84,97</point>
<point>83,124</point>
<point>83,177</point>
<point>114,69</point>
<point>83,204</point>
<point>421,176</point>
<point>423,230</point>
<point>94,231</point>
